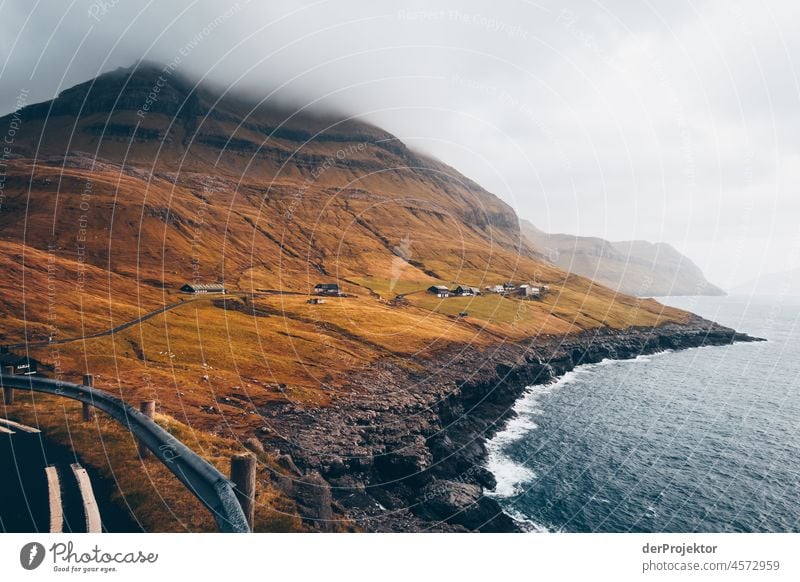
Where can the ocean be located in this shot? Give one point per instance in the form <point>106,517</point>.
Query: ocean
<point>699,440</point>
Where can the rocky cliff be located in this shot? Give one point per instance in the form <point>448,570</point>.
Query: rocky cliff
<point>408,453</point>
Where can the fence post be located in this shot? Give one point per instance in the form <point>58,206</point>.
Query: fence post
<point>148,408</point>
<point>88,409</point>
<point>243,475</point>
<point>8,391</point>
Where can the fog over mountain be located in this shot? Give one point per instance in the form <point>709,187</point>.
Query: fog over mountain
<point>634,267</point>
<point>621,120</point>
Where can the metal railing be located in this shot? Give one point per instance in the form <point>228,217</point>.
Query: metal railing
<point>202,479</point>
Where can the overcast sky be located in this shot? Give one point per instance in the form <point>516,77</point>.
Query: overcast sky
<point>666,121</point>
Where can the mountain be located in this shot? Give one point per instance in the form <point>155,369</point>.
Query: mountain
<point>639,268</point>
<point>123,188</point>
<point>133,183</point>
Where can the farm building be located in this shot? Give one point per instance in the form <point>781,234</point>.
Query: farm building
<point>22,365</point>
<point>199,288</point>
<point>439,290</point>
<point>495,289</point>
<point>465,291</point>
<point>529,291</point>
<point>327,289</point>
<point>316,301</point>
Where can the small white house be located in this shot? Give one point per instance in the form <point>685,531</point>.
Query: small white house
<point>439,290</point>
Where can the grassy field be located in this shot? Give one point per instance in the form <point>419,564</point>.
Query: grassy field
<point>247,352</point>
<point>391,288</point>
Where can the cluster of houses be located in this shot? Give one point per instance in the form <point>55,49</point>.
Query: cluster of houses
<point>526,290</point>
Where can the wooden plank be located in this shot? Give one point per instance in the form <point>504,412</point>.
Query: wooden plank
<point>90,509</point>
<point>54,493</point>
<point>18,426</point>
<point>4,430</point>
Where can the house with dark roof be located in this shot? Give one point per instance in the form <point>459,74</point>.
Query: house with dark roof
<point>200,288</point>
<point>327,289</point>
<point>465,291</point>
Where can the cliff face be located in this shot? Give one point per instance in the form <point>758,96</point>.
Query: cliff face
<point>408,454</point>
<point>637,268</point>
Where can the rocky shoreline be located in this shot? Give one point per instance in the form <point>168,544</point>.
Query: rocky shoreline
<point>406,451</point>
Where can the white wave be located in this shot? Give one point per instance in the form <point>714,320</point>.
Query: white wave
<point>526,524</point>
<point>509,474</point>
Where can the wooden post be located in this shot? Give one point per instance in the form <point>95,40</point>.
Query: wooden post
<point>243,475</point>
<point>88,410</point>
<point>148,408</point>
<point>8,391</point>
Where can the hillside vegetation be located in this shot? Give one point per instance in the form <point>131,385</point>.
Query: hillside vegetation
<point>108,209</point>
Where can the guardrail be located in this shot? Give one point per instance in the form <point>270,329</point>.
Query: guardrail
<point>204,481</point>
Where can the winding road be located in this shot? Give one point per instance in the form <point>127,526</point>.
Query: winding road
<point>141,319</point>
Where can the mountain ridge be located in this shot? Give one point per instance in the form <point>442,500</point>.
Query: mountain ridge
<point>636,267</point>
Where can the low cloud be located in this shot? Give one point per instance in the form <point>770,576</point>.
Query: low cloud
<point>672,122</point>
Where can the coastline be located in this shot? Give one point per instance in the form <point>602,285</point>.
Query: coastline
<point>409,452</point>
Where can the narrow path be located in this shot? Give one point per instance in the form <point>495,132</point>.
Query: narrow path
<point>127,324</point>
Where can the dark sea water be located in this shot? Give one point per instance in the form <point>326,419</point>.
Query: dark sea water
<point>701,440</point>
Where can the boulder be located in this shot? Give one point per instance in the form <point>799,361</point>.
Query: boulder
<point>464,504</point>
<point>313,497</point>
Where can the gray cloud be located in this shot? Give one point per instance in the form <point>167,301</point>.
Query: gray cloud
<point>621,119</point>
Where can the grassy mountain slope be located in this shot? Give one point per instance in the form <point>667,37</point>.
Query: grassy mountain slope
<point>113,199</point>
